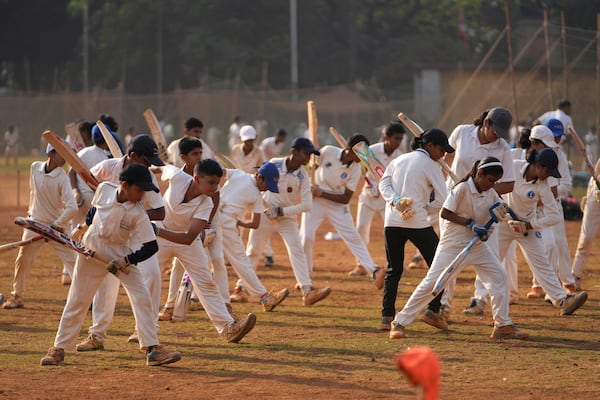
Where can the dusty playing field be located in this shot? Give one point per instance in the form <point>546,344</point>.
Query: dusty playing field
<point>331,350</point>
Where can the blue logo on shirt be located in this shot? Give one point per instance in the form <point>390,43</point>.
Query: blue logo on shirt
<point>344,175</point>
<point>538,234</point>
<point>530,194</point>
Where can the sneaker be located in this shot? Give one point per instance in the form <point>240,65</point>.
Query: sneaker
<point>445,312</point>
<point>90,344</point>
<point>158,355</point>
<point>359,270</point>
<point>397,331</point>
<point>572,302</point>
<point>434,319</point>
<point>315,295</point>
<point>571,289</point>
<point>417,262</point>
<point>55,356</point>
<point>238,329</point>
<point>133,338</point>
<point>536,293</point>
<point>272,300</point>
<point>13,302</point>
<point>474,308</point>
<point>269,261</point>
<point>165,314</point>
<point>547,299</point>
<point>508,332</point>
<point>378,277</point>
<point>239,295</point>
<point>65,279</point>
<point>2,298</point>
<point>386,323</point>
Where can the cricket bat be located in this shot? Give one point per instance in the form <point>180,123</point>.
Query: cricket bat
<point>113,146</point>
<point>74,136</point>
<point>225,161</point>
<point>67,152</point>
<point>157,134</point>
<point>14,245</point>
<point>183,299</point>
<point>369,160</point>
<point>581,147</point>
<point>457,264</point>
<point>313,129</point>
<point>416,130</point>
<point>338,137</point>
<point>52,234</point>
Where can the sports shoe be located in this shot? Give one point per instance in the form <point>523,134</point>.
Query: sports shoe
<point>133,338</point>
<point>55,356</point>
<point>417,262</point>
<point>272,300</point>
<point>13,302</point>
<point>239,295</point>
<point>572,302</point>
<point>165,314</point>
<point>386,323</point>
<point>359,270</point>
<point>397,331</point>
<point>378,277</point>
<point>315,295</point>
<point>269,261</point>
<point>90,344</point>
<point>474,308</point>
<point>2,298</point>
<point>571,289</point>
<point>508,332</point>
<point>235,331</point>
<point>158,355</point>
<point>536,293</point>
<point>445,312</point>
<point>434,319</point>
<point>65,279</point>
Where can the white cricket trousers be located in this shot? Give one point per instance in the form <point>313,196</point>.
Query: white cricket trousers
<point>234,250</point>
<point>587,234</point>
<point>195,261</point>
<point>340,217</point>
<point>27,254</point>
<point>287,227</point>
<point>105,300</point>
<point>368,206</point>
<point>488,268</point>
<point>87,278</point>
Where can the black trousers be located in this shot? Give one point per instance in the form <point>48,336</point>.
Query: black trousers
<point>426,240</point>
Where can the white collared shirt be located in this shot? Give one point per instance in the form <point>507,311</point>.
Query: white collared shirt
<point>250,162</point>
<point>295,196</point>
<point>89,156</point>
<point>50,198</point>
<point>271,148</point>
<point>379,150</point>
<point>332,175</point>
<point>240,192</point>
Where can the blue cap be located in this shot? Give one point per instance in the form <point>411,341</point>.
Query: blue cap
<point>302,143</point>
<point>270,174</point>
<point>555,126</point>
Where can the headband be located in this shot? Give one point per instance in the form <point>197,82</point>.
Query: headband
<point>490,164</point>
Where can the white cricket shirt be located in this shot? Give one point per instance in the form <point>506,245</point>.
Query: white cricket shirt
<point>294,194</point>
<point>239,193</point>
<point>50,198</point>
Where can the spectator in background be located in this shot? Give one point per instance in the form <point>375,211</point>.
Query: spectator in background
<point>11,141</point>
<point>129,135</point>
<point>563,114</point>
<point>85,130</point>
<point>591,146</point>
<point>273,145</point>
<point>234,132</point>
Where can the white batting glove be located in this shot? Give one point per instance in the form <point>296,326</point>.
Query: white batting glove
<point>274,212</point>
<point>210,234</point>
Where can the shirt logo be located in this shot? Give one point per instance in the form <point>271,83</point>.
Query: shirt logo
<point>327,164</point>
<point>538,234</point>
<point>344,175</point>
<point>530,194</point>
<point>290,189</point>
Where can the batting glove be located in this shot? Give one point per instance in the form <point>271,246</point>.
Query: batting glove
<point>499,211</point>
<point>402,203</point>
<point>117,266</point>
<point>210,234</point>
<point>518,227</point>
<point>480,230</point>
<point>274,212</point>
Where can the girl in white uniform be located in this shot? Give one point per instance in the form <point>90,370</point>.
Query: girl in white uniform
<point>413,176</point>
<point>465,212</point>
<point>531,188</point>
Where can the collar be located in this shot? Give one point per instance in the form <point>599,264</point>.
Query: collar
<point>420,150</point>
<point>523,171</point>
<point>472,187</point>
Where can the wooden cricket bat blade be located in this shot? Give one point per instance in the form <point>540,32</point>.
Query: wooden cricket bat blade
<point>16,245</point>
<point>113,146</point>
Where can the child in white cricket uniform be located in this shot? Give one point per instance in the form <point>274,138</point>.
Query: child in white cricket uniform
<point>589,228</point>
<point>370,201</point>
<point>336,179</point>
<point>50,202</point>
<point>247,156</point>
<point>465,212</point>
<point>241,192</point>
<point>142,150</point>
<point>118,216</point>
<point>188,206</point>
<point>282,211</point>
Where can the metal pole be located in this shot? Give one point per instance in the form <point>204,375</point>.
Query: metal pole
<point>548,62</point>
<point>598,81</point>
<point>510,61</point>
<point>563,35</point>
<point>294,47</point>
<point>159,62</point>
<point>85,58</point>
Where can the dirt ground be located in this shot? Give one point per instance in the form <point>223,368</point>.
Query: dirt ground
<point>331,350</point>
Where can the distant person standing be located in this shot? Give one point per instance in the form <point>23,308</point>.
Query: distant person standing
<point>234,132</point>
<point>563,114</point>
<point>247,156</point>
<point>11,140</point>
<point>273,145</point>
<point>591,146</point>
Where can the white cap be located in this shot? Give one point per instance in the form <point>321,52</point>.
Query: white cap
<point>545,135</point>
<point>247,132</point>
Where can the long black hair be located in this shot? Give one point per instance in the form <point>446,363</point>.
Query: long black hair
<point>489,166</point>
